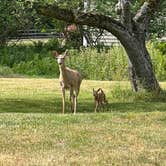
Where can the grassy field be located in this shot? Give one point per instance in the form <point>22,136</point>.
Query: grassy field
<point>130,131</point>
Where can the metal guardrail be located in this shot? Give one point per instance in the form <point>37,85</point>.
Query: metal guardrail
<point>36,34</point>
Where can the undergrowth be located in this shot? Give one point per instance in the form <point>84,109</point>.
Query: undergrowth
<point>107,64</point>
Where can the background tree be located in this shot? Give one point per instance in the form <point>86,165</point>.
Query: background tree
<point>130,30</point>
<point>18,15</point>
<point>14,15</point>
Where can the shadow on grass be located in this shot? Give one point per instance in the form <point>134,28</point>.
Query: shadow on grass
<point>138,106</point>
<point>30,105</point>
<point>86,106</point>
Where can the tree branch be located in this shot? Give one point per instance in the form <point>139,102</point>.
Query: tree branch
<point>146,10</point>
<point>126,14</point>
<point>142,13</point>
<point>82,18</point>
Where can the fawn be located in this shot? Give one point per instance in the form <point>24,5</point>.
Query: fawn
<point>99,98</point>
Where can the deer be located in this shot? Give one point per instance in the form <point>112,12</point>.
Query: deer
<point>69,80</point>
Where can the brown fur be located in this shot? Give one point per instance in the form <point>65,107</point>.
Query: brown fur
<point>99,98</point>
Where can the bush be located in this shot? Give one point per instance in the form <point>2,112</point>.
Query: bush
<point>125,94</point>
<point>109,64</point>
<point>38,67</point>
<point>5,71</point>
<point>161,46</point>
<point>158,60</point>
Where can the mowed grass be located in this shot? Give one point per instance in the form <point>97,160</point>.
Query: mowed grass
<point>130,130</point>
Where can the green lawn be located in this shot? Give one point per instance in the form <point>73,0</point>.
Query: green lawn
<point>130,131</point>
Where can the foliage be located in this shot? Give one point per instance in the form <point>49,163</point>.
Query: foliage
<point>107,7</point>
<point>15,15</point>
<point>5,71</point>
<point>74,40</point>
<point>110,65</point>
<point>97,64</point>
<point>161,46</point>
<point>157,51</point>
<point>19,15</point>
<point>36,60</point>
<point>37,67</point>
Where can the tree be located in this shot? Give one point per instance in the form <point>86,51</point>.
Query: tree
<point>14,16</point>
<point>130,30</point>
<point>19,15</point>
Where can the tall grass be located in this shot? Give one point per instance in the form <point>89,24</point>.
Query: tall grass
<point>158,55</point>
<point>105,65</point>
<point>108,64</point>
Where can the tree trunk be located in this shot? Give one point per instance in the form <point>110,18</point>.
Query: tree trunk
<point>125,17</point>
<point>132,76</point>
<point>141,63</point>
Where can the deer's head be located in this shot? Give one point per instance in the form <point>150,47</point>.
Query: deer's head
<point>60,57</point>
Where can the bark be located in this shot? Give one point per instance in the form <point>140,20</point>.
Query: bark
<point>130,31</point>
<point>123,9</point>
<point>132,76</point>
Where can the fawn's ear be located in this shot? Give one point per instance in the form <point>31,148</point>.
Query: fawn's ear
<point>99,89</point>
<point>93,92</point>
<point>55,54</point>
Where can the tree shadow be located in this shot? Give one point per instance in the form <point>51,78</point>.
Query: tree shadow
<point>30,105</point>
<point>54,105</point>
<point>136,106</point>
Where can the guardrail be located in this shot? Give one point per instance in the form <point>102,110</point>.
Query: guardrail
<point>36,34</point>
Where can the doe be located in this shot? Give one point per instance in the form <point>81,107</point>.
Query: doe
<point>69,79</point>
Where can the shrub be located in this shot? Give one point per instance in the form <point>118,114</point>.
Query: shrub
<point>107,65</point>
<point>38,67</point>
<point>158,60</point>
<point>93,63</point>
<point>5,71</point>
<point>161,46</point>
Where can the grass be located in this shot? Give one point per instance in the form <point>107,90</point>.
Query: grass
<point>130,131</point>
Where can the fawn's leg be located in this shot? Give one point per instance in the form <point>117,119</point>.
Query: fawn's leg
<point>102,106</point>
<point>96,106</point>
<point>63,100</point>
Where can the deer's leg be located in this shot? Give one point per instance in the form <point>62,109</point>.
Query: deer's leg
<point>72,99</point>
<point>75,99</point>
<point>63,99</point>
<point>103,106</point>
<point>75,103</point>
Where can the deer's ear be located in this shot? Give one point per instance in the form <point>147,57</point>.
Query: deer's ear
<point>55,54</point>
<point>65,53</point>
